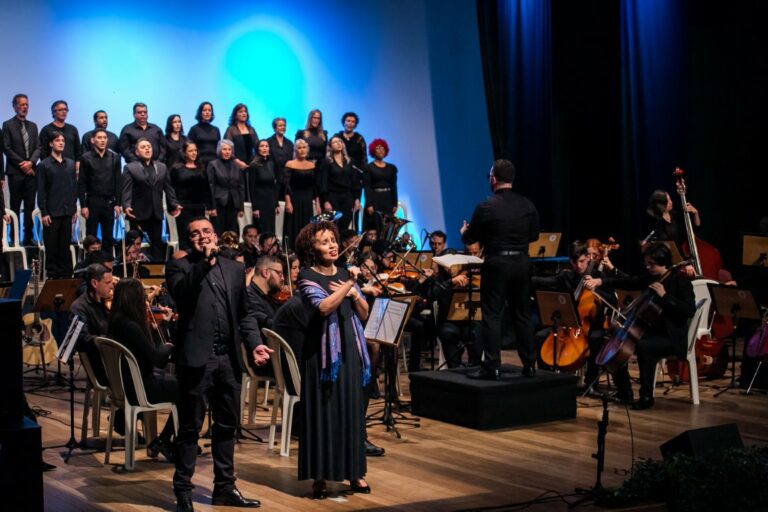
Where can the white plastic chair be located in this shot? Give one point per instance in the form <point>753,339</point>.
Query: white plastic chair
<point>246,219</point>
<point>280,221</point>
<point>114,356</point>
<point>173,235</point>
<point>15,247</point>
<point>693,334</point>
<point>249,389</point>
<point>95,393</point>
<point>282,397</point>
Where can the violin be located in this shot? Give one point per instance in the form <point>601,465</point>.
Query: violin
<point>282,295</point>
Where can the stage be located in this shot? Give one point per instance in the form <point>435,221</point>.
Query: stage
<point>438,466</point>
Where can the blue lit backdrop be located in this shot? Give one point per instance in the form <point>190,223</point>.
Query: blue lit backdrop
<point>281,59</point>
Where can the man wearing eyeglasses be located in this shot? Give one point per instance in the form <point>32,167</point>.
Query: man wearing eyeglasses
<point>267,280</point>
<point>214,319</point>
<point>72,147</point>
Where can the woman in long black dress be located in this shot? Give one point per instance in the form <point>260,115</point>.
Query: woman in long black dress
<point>263,188</point>
<point>338,183</point>
<point>192,190</point>
<point>227,189</point>
<point>334,366</point>
<point>128,326</point>
<point>316,137</point>
<point>380,184</point>
<point>300,192</point>
<point>174,140</point>
<point>243,135</point>
<point>204,134</point>
<point>280,148</point>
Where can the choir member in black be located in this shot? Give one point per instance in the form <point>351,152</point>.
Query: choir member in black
<point>227,189</point>
<point>141,129</point>
<point>72,148</point>
<point>174,141</point>
<point>21,145</point>
<point>339,183</point>
<point>314,135</point>
<point>300,191</point>
<point>205,135</point>
<point>243,136</point>
<point>266,283</point>
<point>380,183</point>
<point>57,200</point>
<point>663,223</point>
<point>504,225</point>
<point>98,188</point>
<point>250,245</point>
<point>128,325</point>
<point>667,336</point>
<point>263,188</point>
<point>353,141</point>
<point>280,148</point>
<point>214,321</point>
<point>144,181</point>
<point>100,120</point>
<point>190,182</point>
<point>334,366</point>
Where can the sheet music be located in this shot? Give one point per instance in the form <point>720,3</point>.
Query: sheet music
<point>450,260</point>
<point>70,340</point>
<point>385,320</point>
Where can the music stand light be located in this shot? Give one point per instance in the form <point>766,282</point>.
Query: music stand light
<point>754,250</point>
<point>546,245</point>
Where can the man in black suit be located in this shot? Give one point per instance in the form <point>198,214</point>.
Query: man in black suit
<point>141,129</point>
<point>98,188</point>
<point>100,121</point>
<point>22,149</point>
<point>144,182</point>
<point>214,320</point>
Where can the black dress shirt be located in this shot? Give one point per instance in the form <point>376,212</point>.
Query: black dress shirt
<point>336,181</point>
<point>280,155</point>
<point>317,143</point>
<point>113,142</point>
<point>99,177</point>
<point>263,306</point>
<point>506,221</point>
<point>191,186</point>
<point>206,136</point>
<point>131,133</point>
<point>356,150</point>
<point>174,151</point>
<point>56,187</point>
<point>72,148</point>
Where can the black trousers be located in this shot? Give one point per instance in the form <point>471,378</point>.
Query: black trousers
<point>343,204</point>
<point>226,220</point>
<point>23,188</point>
<point>649,351</point>
<point>454,336</point>
<point>58,237</point>
<point>219,380</point>
<point>101,212</point>
<point>154,230</point>
<point>506,278</point>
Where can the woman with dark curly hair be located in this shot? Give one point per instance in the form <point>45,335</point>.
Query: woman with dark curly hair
<point>204,134</point>
<point>335,366</point>
<point>380,184</point>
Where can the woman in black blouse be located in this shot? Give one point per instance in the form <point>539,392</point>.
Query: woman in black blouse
<point>300,192</point>
<point>174,140</point>
<point>280,148</point>
<point>242,134</point>
<point>339,183</point>
<point>204,134</point>
<point>316,137</point>
<point>128,326</point>
<point>353,141</point>
<point>192,190</point>
<point>380,184</point>
<point>227,188</point>
<point>263,188</point>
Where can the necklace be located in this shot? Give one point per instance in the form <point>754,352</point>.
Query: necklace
<point>320,270</point>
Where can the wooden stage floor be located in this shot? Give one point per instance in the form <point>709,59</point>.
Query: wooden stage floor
<point>432,468</point>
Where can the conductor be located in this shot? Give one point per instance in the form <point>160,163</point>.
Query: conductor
<point>504,225</point>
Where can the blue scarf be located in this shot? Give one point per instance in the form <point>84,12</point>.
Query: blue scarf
<point>330,342</point>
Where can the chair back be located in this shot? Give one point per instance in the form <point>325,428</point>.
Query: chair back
<point>95,384</point>
<point>173,229</point>
<point>14,227</point>
<point>114,356</point>
<point>282,348</point>
<point>695,323</point>
<point>246,219</point>
<point>78,229</point>
<point>37,226</point>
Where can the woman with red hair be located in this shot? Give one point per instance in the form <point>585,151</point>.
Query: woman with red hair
<point>380,184</point>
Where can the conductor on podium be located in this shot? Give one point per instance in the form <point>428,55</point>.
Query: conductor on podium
<point>504,225</point>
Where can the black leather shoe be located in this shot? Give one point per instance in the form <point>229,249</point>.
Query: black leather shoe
<point>233,498</point>
<point>359,489</point>
<point>645,402</point>
<point>371,450</point>
<point>158,446</point>
<point>319,491</point>
<point>184,503</point>
<point>529,370</point>
<point>485,374</point>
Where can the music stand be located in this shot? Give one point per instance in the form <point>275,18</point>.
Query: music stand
<point>677,256</point>
<point>739,304</point>
<point>420,259</point>
<point>64,354</point>
<point>556,309</point>
<point>56,296</point>
<point>754,250</point>
<point>545,246</point>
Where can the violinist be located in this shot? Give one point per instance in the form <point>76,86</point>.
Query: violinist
<point>92,310</point>
<point>269,245</point>
<point>667,336</point>
<point>134,256</point>
<point>250,245</point>
<point>268,279</point>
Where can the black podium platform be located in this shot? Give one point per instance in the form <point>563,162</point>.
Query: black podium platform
<point>451,396</point>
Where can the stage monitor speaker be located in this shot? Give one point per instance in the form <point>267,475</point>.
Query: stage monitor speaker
<point>703,441</point>
<point>12,395</point>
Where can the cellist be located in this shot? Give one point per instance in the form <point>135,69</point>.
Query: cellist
<point>667,335</point>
